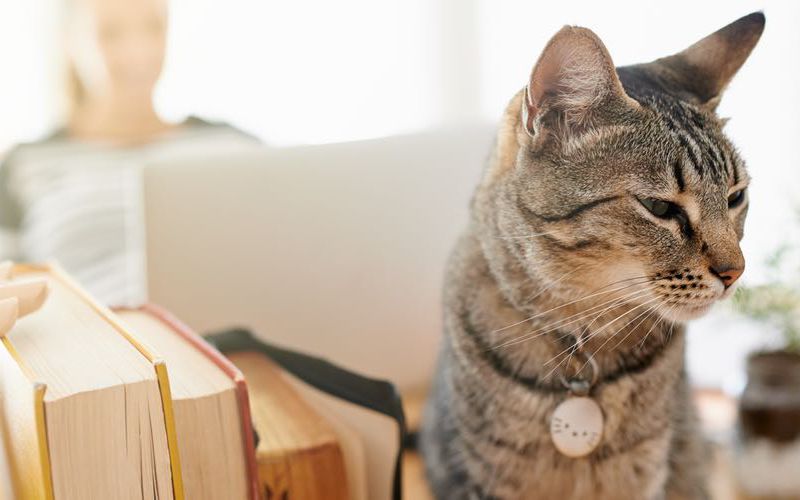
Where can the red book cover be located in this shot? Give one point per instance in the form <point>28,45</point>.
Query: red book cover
<point>229,369</point>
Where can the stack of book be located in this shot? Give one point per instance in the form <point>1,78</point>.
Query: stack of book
<point>131,403</point>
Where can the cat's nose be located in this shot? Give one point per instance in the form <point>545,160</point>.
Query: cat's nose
<point>727,273</point>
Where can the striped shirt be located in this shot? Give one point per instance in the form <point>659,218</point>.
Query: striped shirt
<point>79,203</point>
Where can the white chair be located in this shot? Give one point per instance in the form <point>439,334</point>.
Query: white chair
<point>337,250</point>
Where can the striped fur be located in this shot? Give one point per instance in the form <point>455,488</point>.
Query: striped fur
<point>561,261</point>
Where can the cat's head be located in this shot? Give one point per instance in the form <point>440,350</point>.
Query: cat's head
<point>604,174</point>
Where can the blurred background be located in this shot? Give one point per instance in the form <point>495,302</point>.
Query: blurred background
<point>313,72</point>
<point>300,74</point>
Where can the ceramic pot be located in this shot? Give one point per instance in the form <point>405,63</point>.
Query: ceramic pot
<point>767,454</point>
<point>770,405</point>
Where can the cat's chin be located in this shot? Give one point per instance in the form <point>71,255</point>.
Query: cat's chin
<point>688,312</point>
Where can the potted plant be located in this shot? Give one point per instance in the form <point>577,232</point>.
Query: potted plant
<point>768,449</point>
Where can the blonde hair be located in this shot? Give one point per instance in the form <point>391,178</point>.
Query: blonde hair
<point>73,91</point>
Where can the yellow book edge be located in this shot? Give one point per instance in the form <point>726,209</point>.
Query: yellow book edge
<point>161,376</point>
<point>41,432</point>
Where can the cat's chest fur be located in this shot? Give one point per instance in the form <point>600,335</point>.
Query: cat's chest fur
<point>512,429</point>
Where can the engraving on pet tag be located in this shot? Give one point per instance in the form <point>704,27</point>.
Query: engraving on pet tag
<point>576,426</point>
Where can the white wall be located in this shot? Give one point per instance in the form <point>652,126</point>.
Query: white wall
<point>313,71</point>
<point>304,71</point>
<point>28,97</point>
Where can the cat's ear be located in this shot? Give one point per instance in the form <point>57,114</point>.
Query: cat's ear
<point>572,79</point>
<point>704,69</point>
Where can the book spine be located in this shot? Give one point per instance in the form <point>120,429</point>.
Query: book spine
<point>172,435</point>
<point>44,450</point>
<point>231,371</point>
<point>32,476</point>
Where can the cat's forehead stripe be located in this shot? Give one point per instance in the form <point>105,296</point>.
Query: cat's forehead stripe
<point>677,171</point>
<point>690,130</point>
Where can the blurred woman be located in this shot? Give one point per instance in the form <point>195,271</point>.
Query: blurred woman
<point>75,196</point>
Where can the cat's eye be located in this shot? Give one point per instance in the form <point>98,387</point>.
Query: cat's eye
<point>660,208</point>
<point>736,198</point>
<point>667,210</point>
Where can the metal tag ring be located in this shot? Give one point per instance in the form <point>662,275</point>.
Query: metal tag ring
<point>580,385</point>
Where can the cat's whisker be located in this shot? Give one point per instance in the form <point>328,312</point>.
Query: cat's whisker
<point>592,336</point>
<point>596,293</point>
<point>653,312</point>
<point>526,237</point>
<point>571,350</point>
<point>647,313</point>
<point>586,329</point>
<point>641,344</point>
<point>643,304</point>
<point>579,316</point>
<point>671,327</point>
<point>569,320</point>
<point>554,283</point>
<point>620,302</point>
<point>586,312</point>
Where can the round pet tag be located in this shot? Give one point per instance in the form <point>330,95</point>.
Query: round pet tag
<point>577,426</point>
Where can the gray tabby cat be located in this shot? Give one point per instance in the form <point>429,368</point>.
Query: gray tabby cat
<point>609,214</point>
